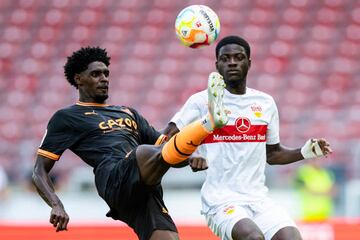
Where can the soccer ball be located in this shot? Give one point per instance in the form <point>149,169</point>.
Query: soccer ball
<point>197,26</point>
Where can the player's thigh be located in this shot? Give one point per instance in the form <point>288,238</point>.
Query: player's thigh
<point>246,229</point>
<point>151,165</point>
<point>272,218</point>
<point>163,234</point>
<point>287,233</point>
<point>232,221</point>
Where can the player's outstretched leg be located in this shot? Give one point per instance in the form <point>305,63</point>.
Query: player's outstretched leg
<point>184,143</point>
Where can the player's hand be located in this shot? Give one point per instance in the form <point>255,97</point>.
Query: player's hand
<point>197,163</point>
<point>59,218</point>
<point>316,148</point>
<point>325,146</point>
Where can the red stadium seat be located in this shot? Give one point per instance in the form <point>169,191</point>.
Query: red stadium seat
<point>329,16</point>
<point>235,5</point>
<point>5,3</point>
<point>304,53</point>
<point>294,16</point>
<point>97,4</point>
<point>135,4</point>
<point>89,18</point>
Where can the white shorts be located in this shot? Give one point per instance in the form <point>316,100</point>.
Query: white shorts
<point>266,214</point>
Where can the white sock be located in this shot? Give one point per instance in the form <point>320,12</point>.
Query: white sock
<point>207,124</point>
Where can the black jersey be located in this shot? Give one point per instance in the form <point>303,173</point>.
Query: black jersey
<point>97,133</point>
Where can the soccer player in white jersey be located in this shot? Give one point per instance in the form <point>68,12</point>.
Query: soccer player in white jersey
<point>234,195</point>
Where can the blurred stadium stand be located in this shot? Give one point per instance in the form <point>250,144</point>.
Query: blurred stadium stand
<point>304,53</point>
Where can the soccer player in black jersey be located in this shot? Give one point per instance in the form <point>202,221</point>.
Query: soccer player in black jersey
<point>128,155</point>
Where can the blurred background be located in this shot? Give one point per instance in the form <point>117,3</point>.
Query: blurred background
<point>304,53</point>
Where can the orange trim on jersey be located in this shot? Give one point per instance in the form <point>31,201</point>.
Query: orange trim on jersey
<point>90,104</point>
<point>161,139</point>
<point>47,154</point>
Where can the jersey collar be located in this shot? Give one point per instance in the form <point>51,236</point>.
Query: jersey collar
<point>90,104</point>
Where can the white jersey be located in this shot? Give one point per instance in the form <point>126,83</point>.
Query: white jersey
<point>236,153</point>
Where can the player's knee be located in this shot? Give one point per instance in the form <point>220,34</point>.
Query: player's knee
<point>148,153</point>
<point>248,236</point>
<point>255,236</point>
<point>150,163</point>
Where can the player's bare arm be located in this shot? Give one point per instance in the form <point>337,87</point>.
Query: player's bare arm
<point>278,154</point>
<point>196,163</point>
<point>58,216</point>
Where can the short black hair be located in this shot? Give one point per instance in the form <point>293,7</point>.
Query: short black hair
<point>233,40</point>
<point>80,59</point>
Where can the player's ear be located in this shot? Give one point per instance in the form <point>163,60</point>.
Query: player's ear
<point>77,79</point>
<point>216,65</point>
<point>249,63</point>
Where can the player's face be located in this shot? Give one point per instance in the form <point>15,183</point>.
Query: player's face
<point>233,63</point>
<point>93,83</point>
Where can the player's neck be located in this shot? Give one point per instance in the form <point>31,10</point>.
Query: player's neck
<point>91,100</point>
<point>238,88</point>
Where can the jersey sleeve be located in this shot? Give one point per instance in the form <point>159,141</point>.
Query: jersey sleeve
<point>272,134</point>
<point>148,134</point>
<point>58,137</point>
<point>189,112</point>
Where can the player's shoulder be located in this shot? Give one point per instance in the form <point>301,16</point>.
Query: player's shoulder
<point>199,96</point>
<point>63,115</point>
<point>130,111</point>
<point>260,94</point>
<point>66,111</point>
